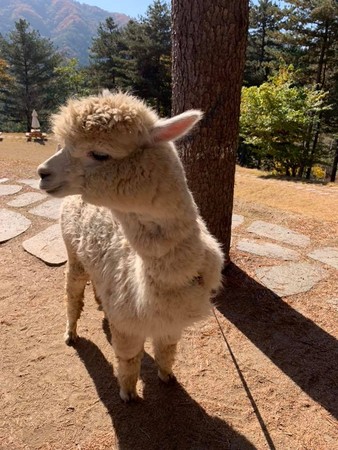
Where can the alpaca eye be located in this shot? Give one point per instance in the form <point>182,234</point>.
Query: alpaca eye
<point>98,156</point>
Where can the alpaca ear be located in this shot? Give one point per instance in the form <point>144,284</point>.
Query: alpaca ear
<point>171,129</point>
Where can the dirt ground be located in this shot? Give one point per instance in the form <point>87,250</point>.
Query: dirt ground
<point>261,373</point>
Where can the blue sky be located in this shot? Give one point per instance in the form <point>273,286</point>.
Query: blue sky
<point>132,8</point>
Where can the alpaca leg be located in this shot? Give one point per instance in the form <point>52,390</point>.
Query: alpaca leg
<point>129,352</point>
<point>76,279</point>
<point>97,299</point>
<point>165,351</point>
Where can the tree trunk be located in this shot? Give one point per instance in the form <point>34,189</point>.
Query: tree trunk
<point>209,42</point>
<point>321,63</point>
<point>335,164</point>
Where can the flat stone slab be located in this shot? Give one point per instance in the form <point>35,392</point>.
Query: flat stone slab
<point>49,209</point>
<point>9,189</point>
<point>32,182</point>
<point>290,279</point>
<point>236,220</point>
<point>26,199</point>
<point>12,224</point>
<point>326,255</point>
<point>279,233</point>
<point>267,249</point>
<point>3,180</point>
<point>48,246</point>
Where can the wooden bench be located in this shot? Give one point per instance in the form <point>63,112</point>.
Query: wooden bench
<point>35,134</point>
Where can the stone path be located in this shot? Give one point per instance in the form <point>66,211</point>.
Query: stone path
<point>12,224</point>
<point>289,279</point>
<point>279,233</point>
<point>47,245</point>
<point>298,270</point>
<point>267,249</point>
<point>26,199</point>
<point>49,209</point>
<point>9,189</point>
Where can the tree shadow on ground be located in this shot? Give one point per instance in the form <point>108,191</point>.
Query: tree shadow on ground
<point>293,179</point>
<point>166,418</point>
<point>296,345</point>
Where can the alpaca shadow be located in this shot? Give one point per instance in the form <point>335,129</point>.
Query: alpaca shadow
<point>296,345</point>
<point>167,418</point>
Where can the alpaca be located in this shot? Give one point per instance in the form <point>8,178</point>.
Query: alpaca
<point>130,225</point>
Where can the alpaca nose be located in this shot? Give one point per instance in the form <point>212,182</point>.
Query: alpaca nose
<point>43,172</point>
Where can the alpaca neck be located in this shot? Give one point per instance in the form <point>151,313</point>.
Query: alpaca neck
<point>154,237</point>
<point>169,251</point>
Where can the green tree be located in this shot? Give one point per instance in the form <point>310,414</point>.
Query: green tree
<point>5,80</point>
<point>137,57</point>
<point>31,63</point>
<point>148,52</point>
<point>310,42</point>
<point>312,27</point>
<point>264,22</point>
<point>276,119</point>
<point>71,80</point>
<point>107,55</point>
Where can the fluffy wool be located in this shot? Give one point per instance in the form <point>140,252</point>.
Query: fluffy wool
<point>131,226</point>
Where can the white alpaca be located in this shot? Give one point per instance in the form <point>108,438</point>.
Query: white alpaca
<point>131,226</point>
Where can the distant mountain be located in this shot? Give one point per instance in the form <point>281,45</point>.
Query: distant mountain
<point>70,24</point>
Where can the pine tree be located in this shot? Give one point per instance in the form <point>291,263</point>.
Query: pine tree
<point>31,63</point>
<point>107,56</point>
<point>137,57</point>
<point>149,51</point>
<point>312,28</point>
<point>264,22</point>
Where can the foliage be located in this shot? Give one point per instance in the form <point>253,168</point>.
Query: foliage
<point>318,173</point>
<point>4,75</point>
<point>31,62</point>
<point>137,57</point>
<point>312,27</point>
<point>276,119</point>
<point>71,80</point>
<point>106,54</point>
<point>293,127</point>
<point>265,22</point>
<point>302,33</point>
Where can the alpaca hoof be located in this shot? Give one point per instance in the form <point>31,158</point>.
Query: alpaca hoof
<point>70,337</point>
<point>167,378</point>
<point>127,397</point>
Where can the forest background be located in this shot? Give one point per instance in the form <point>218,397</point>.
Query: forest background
<point>289,99</point>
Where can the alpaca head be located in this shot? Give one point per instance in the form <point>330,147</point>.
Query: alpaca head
<point>103,137</point>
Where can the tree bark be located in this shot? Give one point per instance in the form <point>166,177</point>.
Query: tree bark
<point>334,165</point>
<point>209,42</point>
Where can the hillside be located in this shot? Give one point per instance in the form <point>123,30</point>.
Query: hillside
<point>70,24</point>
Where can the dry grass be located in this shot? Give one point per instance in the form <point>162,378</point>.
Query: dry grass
<point>14,147</point>
<point>311,200</point>
<point>320,203</point>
